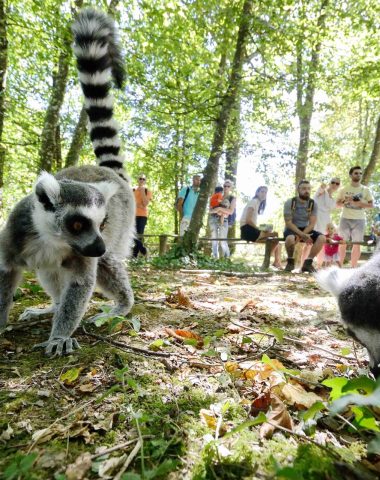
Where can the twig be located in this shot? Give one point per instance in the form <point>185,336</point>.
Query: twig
<point>128,461</point>
<point>290,339</point>
<point>118,447</point>
<point>123,346</point>
<point>71,393</point>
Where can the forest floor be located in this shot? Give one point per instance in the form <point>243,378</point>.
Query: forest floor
<point>180,389</point>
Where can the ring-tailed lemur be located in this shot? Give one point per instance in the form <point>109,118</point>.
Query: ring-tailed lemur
<point>358,294</point>
<point>76,228</point>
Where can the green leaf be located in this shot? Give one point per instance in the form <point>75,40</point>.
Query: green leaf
<point>219,333</point>
<point>361,383</point>
<point>136,323</point>
<point>345,351</point>
<point>336,384</point>
<point>356,399</point>
<point>191,341</point>
<point>247,340</point>
<point>70,375</point>
<point>312,411</point>
<point>261,418</point>
<point>278,333</point>
<point>131,476</point>
<point>156,345</point>
<point>365,419</point>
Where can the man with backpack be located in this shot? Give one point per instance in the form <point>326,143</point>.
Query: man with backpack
<point>185,203</point>
<point>300,215</point>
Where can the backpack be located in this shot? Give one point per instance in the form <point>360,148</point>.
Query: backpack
<point>231,218</point>
<point>184,200</point>
<point>310,205</point>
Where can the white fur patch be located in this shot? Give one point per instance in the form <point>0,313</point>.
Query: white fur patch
<point>95,50</point>
<point>97,78</point>
<point>107,142</point>
<point>111,122</point>
<point>107,189</point>
<point>333,279</point>
<point>109,156</point>
<point>106,102</point>
<point>50,186</point>
<point>96,214</point>
<point>90,26</point>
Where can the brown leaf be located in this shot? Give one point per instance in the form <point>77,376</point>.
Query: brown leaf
<point>261,403</point>
<point>179,298</point>
<point>296,395</point>
<point>278,416</point>
<point>250,305</point>
<point>78,470</point>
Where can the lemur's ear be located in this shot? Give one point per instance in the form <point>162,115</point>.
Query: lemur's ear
<point>48,191</point>
<point>107,189</point>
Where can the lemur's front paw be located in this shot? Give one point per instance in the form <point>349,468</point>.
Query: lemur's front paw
<point>57,346</point>
<point>32,313</point>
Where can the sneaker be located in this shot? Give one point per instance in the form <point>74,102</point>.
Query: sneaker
<point>289,265</point>
<point>308,266</point>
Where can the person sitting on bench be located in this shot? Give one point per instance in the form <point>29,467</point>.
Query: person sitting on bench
<point>300,214</point>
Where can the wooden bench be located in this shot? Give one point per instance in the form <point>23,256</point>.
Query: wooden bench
<point>269,243</point>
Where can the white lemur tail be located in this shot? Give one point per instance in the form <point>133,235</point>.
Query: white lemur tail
<point>333,279</point>
<point>98,54</point>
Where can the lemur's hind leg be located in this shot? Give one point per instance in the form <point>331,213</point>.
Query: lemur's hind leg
<point>113,280</point>
<point>52,283</point>
<point>9,279</point>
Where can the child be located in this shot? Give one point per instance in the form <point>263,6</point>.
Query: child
<point>331,246</point>
<point>216,201</point>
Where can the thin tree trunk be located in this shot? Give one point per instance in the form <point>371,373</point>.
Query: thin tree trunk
<point>375,155</point>
<point>58,148</point>
<point>3,73</point>
<point>232,156</point>
<point>229,101</point>
<point>305,96</point>
<point>77,142</point>
<point>80,130</point>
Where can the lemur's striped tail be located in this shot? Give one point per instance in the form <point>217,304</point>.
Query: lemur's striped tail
<point>99,60</point>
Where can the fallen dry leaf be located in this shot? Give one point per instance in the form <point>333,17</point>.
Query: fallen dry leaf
<point>296,395</point>
<point>278,416</point>
<point>78,469</point>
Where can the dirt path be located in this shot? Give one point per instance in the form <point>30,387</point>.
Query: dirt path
<point>215,351</point>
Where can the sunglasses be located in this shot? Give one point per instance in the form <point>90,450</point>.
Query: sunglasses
<point>142,178</point>
<point>335,183</point>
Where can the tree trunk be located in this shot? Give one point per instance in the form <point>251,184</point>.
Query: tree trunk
<point>77,142</point>
<point>305,96</point>
<point>229,101</point>
<point>3,73</point>
<point>80,130</point>
<point>370,168</point>
<point>232,157</point>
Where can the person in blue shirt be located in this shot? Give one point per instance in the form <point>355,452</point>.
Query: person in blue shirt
<point>187,199</point>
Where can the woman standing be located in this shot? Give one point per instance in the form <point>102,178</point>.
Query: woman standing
<point>248,223</point>
<point>219,220</point>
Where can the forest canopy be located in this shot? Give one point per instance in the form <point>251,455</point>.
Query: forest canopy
<point>306,102</point>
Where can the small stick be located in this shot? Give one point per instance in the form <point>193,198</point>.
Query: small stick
<point>128,461</point>
<point>117,447</point>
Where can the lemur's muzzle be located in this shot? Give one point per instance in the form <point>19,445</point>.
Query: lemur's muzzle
<point>95,249</point>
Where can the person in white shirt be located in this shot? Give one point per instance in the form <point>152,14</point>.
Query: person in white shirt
<point>354,198</point>
<point>248,223</point>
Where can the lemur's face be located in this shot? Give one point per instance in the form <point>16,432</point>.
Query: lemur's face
<point>74,213</point>
<point>83,232</point>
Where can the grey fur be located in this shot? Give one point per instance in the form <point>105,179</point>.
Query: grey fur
<point>358,294</point>
<point>75,230</point>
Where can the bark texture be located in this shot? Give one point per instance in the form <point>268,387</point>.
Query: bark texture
<point>306,84</point>
<point>370,168</point>
<point>229,101</point>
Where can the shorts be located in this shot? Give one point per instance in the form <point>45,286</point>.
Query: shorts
<point>331,258</point>
<point>313,234</point>
<point>249,233</point>
<point>352,229</point>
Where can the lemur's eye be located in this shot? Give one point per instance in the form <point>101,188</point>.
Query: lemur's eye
<point>77,226</point>
<point>103,224</point>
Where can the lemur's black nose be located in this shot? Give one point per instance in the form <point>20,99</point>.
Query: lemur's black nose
<point>95,249</point>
